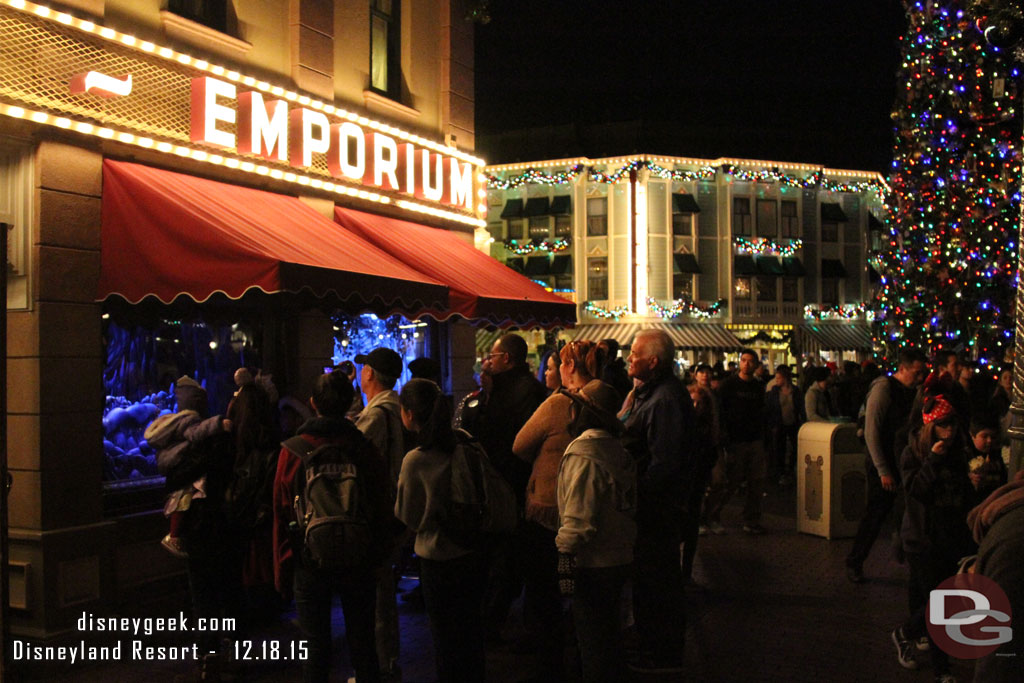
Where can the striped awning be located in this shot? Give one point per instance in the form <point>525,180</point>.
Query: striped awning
<point>485,340</point>
<point>684,335</point>
<point>847,336</point>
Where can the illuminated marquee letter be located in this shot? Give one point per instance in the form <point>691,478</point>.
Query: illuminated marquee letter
<point>383,162</point>
<point>262,126</point>
<point>206,112</point>
<point>460,183</point>
<point>347,141</point>
<point>309,132</point>
<point>407,166</point>
<point>431,185</point>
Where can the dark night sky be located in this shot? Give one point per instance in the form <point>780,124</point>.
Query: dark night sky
<point>787,80</point>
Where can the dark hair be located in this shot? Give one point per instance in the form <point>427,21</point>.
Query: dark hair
<point>613,347</point>
<point>550,354</point>
<point>431,413</point>
<point>942,357</point>
<point>820,374</point>
<point>514,346</point>
<point>703,367</point>
<point>333,394</point>
<point>910,356</point>
<point>785,371</point>
<point>253,422</point>
<point>751,352</point>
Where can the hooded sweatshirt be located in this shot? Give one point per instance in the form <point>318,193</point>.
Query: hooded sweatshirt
<point>597,501</point>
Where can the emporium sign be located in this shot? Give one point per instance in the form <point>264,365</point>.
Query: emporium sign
<point>68,72</point>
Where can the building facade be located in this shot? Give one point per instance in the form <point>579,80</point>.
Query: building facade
<point>192,187</point>
<point>721,252</point>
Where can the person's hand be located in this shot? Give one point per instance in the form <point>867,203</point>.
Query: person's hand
<point>226,424</point>
<point>888,483</point>
<point>940,447</point>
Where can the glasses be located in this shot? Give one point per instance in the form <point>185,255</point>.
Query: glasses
<point>496,353</point>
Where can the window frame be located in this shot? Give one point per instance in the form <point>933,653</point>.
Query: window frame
<point>766,283</point>
<point>392,47</point>
<point>592,279</point>
<point>735,288</point>
<point>789,225</point>
<point>515,228</point>
<point>774,230</point>
<point>741,219</point>
<point>677,280</point>
<point>684,219</point>
<point>597,219</point>
<point>832,236</point>
<point>787,283</point>
<point>828,283</point>
<point>563,226</point>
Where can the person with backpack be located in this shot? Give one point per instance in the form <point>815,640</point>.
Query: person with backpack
<point>453,572</point>
<point>381,423</point>
<point>333,529</point>
<point>596,503</point>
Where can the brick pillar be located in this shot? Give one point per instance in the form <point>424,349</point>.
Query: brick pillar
<point>311,35</point>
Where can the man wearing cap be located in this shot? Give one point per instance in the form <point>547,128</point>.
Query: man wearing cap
<point>381,423</point>
<point>660,436</point>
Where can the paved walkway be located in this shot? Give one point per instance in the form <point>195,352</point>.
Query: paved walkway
<point>768,608</point>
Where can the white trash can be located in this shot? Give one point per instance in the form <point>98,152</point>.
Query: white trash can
<point>831,484</point>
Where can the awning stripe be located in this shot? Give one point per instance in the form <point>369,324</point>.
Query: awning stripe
<point>834,337</point>
<point>684,335</point>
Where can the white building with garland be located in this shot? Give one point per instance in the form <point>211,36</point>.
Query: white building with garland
<point>721,253</point>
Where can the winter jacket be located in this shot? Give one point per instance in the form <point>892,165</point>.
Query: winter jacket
<point>542,442</point>
<point>773,406</point>
<point>424,488</point>
<point>817,405</point>
<point>660,436</point>
<point>513,397</point>
<point>166,435</point>
<point>742,410</point>
<point>597,501</point>
<point>381,422</point>
<point>939,496</point>
<point>289,481</point>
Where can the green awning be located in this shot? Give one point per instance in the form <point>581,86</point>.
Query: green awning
<point>515,264</point>
<point>743,264</point>
<point>513,209</point>
<point>538,265</point>
<point>685,263</point>
<point>561,205</point>
<point>831,267</point>
<point>561,264</point>
<point>684,203</point>
<point>536,206</point>
<point>768,265</point>
<point>791,265</point>
<point>833,212</point>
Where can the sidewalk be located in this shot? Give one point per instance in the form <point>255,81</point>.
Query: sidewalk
<point>776,607</point>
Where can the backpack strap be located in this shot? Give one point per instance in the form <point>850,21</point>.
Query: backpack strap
<point>301,448</point>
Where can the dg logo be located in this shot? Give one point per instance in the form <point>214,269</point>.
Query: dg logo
<point>968,616</point>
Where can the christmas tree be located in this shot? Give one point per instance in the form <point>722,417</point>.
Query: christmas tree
<point>948,259</point>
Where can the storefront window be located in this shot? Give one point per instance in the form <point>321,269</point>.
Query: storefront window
<point>767,288</point>
<point>597,279</point>
<point>360,334</point>
<point>597,216</point>
<point>767,219</point>
<point>741,216</point>
<point>142,364</point>
<point>790,226</point>
<point>741,288</point>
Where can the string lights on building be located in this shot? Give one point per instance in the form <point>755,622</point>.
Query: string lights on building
<point>764,246</point>
<point>547,246</point>
<point>681,307</point>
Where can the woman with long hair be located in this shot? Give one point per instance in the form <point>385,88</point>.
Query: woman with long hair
<point>453,577</point>
<point>541,442</point>
<point>934,533</point>
<point>549,375</point>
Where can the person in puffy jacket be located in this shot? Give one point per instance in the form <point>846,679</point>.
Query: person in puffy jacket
<point>596,504</point>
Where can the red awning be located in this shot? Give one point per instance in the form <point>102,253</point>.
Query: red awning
<point>480,288</point>
<point>167,234</point>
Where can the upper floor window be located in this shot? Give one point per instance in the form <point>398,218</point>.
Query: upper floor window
<point>829,231</point>
<point>741,288</point>
<point>210,13</point>
<point>540,227</point>
<point>767,218</point>
<point>741,216</point>
<point>790,289</point>
<point>682,286</point>
<point>384,43</point>
<point>597,278</point>
<point>682,224</point>
<point>597,217</point>
<point>515,228</point>
<point>563,226</point>
<point>790,226</point>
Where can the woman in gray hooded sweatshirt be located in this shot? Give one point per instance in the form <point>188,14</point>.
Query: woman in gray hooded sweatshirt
<point>596,504</point>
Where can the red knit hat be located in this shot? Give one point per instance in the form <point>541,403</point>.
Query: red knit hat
<point>939,409</point>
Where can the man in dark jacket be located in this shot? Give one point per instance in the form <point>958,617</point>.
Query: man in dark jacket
<point>743,399</point>
<point>887,412</point>
<point>660,435</point>
<point>314,587</point>
<point>513,396</point>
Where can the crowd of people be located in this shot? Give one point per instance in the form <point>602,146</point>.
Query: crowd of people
<point>616,468</point>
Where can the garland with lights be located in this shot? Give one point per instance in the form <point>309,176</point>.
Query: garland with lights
<point>763,245</point>
<point>948,266</point>
<point>767,337</point>
<point>605,313</point>
<point>837,312</point>
<point>522,249</point>
<point>773,175</point>
<point>680,307</point>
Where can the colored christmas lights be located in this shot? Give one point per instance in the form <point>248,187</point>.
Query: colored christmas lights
<point>604,313</point>
<point>763,245</point>
<point>524,248</point>
<point>532,175</point>
<point>837,312</point>
<point>947,265</point>
<point>681,307</point>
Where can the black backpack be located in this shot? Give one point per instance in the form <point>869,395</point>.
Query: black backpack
<point>480,502</point>
<point>248,499</point>
<point>331,509</point>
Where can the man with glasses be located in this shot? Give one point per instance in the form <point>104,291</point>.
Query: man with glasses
<point>513,397</point>
<point>660,435</point>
